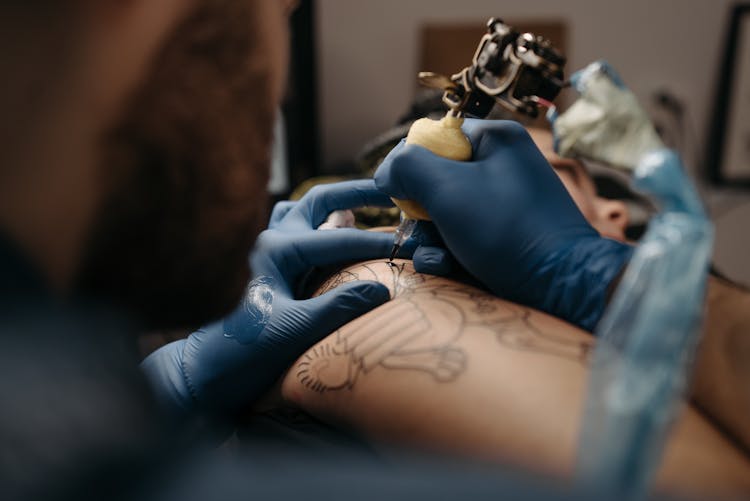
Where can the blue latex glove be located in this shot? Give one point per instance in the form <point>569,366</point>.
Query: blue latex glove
<point>509,221</point>
<point>431,256</point>
<point>230,363</point>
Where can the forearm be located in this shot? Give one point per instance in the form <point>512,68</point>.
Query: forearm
<point>721,384</point>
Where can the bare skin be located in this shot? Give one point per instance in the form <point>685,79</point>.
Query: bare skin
<point>721,381</point>
<point>609,217</point>
<point>445,366</point>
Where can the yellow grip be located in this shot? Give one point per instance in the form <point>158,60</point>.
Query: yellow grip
<point>444,138</point>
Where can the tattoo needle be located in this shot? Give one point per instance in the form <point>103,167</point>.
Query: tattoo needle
<point>403,232</point>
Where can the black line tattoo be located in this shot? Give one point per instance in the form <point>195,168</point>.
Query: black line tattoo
<point>520,333</point>
<point>400,336</point>
<point>403,281</point>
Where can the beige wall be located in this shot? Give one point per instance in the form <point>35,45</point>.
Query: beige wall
<point>368,52</point>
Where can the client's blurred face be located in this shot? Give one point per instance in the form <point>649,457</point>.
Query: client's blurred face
<point>608,217</point>
<point>187,165</point>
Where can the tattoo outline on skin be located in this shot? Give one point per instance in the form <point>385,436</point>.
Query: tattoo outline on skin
<point>513,324</point>
<point>401,335</point>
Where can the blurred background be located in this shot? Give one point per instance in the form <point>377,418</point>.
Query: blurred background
<point>354,66</point>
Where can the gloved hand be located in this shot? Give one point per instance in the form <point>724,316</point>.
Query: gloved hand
<point>509,221</point>
<point>230,363</point>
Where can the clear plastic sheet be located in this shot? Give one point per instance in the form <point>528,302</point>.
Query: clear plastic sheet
<point>647,336</point>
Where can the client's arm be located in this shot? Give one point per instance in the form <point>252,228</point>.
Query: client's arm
<point>448,367</point>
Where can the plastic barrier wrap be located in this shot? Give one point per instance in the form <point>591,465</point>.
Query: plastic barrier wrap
<point>647,337</point>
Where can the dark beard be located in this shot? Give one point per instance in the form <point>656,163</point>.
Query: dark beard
<point>187,168</point>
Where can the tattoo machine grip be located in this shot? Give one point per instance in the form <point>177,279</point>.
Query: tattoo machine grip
<point>444,138</point>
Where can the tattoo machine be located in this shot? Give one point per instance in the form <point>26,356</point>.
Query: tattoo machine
<point>519,71</point>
